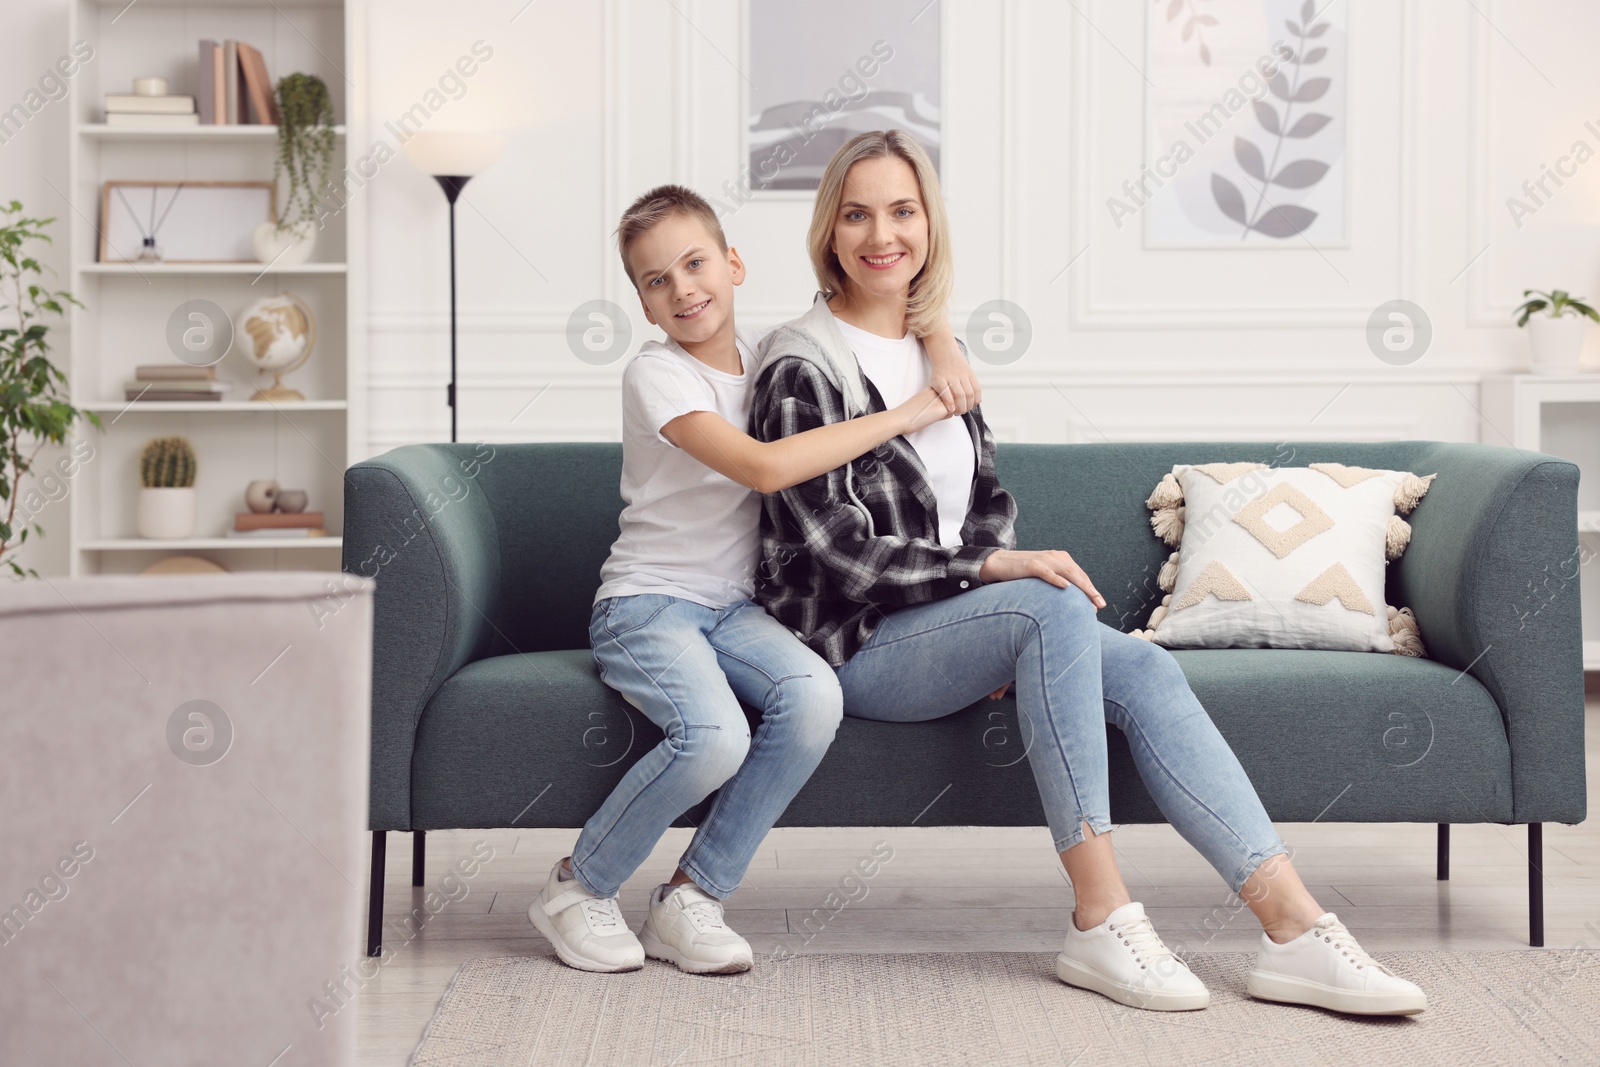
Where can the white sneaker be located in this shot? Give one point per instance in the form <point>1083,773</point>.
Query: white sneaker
<point>685,927</point>
<point>1124,958</point>
<point>1324,967</point>
<point>587,931</point>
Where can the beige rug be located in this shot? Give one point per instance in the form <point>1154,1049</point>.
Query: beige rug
<point>996,1008</point>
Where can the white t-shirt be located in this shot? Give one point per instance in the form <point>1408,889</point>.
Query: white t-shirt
<point>686,531</point>
<point>898,369</point>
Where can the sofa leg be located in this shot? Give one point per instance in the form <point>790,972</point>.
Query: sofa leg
<point>1444,852</point>
<point>375,895</point>
<point>419,849</point>
<point>1536,884</point>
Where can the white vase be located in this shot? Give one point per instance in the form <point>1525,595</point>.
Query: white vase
<point>1555,343</point>
<point>289,248</point>
<point>167,513</point>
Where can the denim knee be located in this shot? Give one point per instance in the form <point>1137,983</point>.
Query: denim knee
<point>815,704</point>
<point>713,753</point>
<point>1053,609</point>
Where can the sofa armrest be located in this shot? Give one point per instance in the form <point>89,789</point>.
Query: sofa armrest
<point>418,522</point>
<point>1491,573</point>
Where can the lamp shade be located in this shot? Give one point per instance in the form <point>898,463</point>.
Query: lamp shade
<point>462,154</point>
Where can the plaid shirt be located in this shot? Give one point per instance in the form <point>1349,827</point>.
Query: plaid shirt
<point>840,551</point>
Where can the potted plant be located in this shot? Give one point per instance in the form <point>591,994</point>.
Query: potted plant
<point>167,500</point>
<point>33,408</point>
<point>305,156</point>
<point>1556,337</point>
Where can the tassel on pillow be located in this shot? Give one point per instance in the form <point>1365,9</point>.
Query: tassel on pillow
<point>1168,525</point>
<point>1168,577</point>
<point>1168,494</point>
<point>1396,537</point>
<point>1403,629</point>
<point>1410,492</point>
<point>1159,613</point>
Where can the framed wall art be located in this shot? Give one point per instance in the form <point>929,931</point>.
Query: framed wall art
<point>1246,126</point>
<point>828,70</point>
<point>183,222</point>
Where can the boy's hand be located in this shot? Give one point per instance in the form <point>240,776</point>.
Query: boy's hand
<point>952,375</point>
<point>959,389</point>
<point>998,693</point>
<point>924,408</point>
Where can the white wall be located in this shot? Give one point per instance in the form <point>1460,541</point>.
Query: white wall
<point>1453,106</point>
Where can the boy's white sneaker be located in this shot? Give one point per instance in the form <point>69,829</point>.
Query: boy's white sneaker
<point>1125,959</point>
<point>685,927</point>
<point>1326,968</point>
<point>587,931</point>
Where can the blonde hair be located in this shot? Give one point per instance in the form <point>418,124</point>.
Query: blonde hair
<point>661,203</point>
<point>927,307</point>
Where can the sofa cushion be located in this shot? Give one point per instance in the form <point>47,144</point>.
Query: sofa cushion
<point>1350,737</point>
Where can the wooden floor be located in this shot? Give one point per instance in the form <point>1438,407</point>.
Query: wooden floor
<point>1002,890</point>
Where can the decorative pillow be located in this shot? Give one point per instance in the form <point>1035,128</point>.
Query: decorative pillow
<point>1282,557</point>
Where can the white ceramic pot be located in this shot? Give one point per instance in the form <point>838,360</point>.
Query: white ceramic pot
<point>1555,343</point>
<point>167,513</point>
<point>290,248</point>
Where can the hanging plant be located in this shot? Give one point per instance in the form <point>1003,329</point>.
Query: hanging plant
<point>305,145</point>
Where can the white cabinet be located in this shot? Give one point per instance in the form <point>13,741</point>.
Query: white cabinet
<point>303,444</point>
<point>1559,416</point>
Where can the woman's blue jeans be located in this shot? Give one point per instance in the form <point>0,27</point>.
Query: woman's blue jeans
<point>687,666</point>
<point>1074,674</point>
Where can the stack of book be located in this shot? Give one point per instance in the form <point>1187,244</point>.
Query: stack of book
<point>173,381</point>
<point>235,89</point>
<point>150,112</point>
<point>266,524</point>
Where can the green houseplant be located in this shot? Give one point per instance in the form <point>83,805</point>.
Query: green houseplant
<point>302,166</point>
<point>1555,338</point>
<point>33,402</point>
<point>167,469</point>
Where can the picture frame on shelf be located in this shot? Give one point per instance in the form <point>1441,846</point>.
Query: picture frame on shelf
<point>188,222</point>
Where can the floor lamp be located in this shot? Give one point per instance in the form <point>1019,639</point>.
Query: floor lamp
<point>453,159</point>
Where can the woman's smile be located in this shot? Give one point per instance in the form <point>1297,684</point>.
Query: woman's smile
<point>883,262</point>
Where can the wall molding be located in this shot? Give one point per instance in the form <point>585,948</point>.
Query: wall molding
<point>993,379</point>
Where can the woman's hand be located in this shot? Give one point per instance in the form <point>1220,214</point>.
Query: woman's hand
<point>924,408</point>
<point>1056,567</point>
<point>998,693</point>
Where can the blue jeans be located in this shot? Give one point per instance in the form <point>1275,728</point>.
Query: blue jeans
<point>1074,674</point>
<point>687,666</point>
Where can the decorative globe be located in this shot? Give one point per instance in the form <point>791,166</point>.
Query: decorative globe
<point>277,334</point>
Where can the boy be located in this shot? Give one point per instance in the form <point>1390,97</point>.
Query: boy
<point>674,628</point>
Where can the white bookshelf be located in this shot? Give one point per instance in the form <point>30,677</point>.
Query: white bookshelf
<point>1560,416</point>
<point>302,444</point>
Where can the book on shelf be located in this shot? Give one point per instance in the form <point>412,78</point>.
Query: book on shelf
<point>269,531</point>
<point>135,104</point>
<point>230,75</point>
<point>177,385</point>
<point>205,87</point>
<point>277,520</point>
<point>143,394</point>
<point>181,371</point>
<point>257,87</point>
<point>151,121</point>
<point>219,85</point>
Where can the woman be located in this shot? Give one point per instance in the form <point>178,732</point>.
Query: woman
<point>905,559</point>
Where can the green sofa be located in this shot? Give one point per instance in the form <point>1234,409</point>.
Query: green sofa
<point>487,711</point>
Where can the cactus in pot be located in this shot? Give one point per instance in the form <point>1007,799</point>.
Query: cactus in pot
<point>167,506</point>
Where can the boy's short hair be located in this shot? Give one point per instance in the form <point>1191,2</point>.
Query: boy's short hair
<point>660,203</point>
